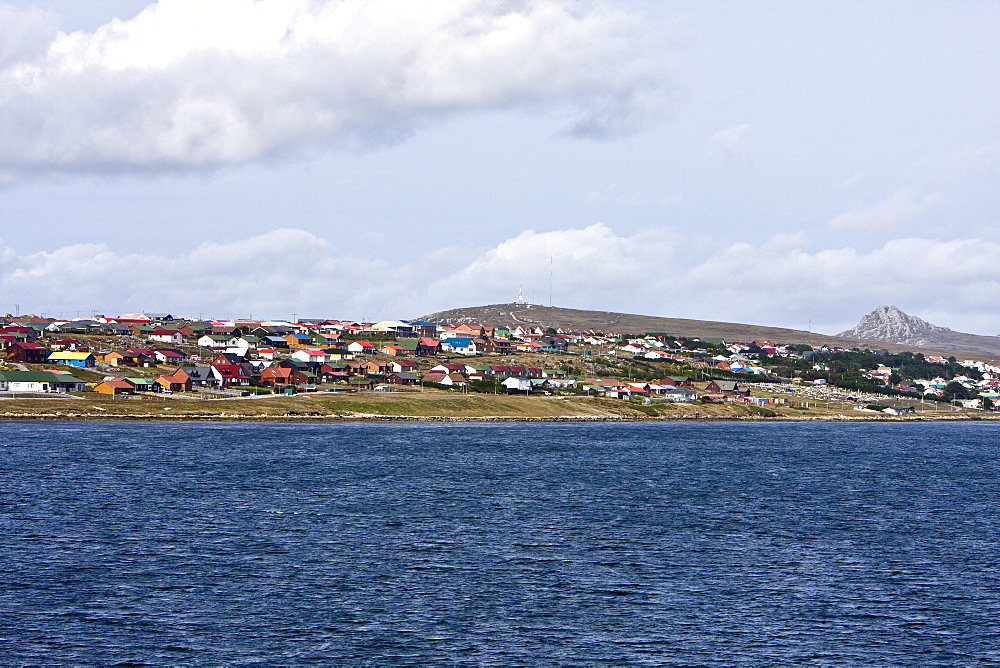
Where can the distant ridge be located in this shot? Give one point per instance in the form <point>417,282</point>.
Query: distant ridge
<point>987,347</point>
<point>889,324</point>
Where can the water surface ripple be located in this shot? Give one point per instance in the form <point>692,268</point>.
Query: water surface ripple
<point>499,544</point>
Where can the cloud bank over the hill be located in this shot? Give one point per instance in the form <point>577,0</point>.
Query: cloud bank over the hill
<point>292,271</point>
<point>188,84</point>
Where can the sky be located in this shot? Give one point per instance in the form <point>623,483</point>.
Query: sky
<point>791,164</point>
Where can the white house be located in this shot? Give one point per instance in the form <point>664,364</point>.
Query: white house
<point>680,395</point>
<point>311,356</point>
<point>219,341</point>
<point>40,381</point>
<point>166,336</point>
<point>518,384</point>
<point>462,346</point>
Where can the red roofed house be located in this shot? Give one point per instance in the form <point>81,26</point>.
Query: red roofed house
<point>175,382</point>
<point>115,386</point>
<point>29,353</point>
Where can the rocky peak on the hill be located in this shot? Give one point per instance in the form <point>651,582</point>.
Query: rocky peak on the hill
<point>888,323</point>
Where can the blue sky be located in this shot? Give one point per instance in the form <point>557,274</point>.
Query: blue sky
<point>773,163</point>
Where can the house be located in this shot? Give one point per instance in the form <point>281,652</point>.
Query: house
<point>516,384</point>
<point>625,393</point>
<point>309,355</point>
<point>40,381</point>
<point>377,367</point>
<point>326,340</point>
<point>115,386</point>
<point>276,376</point>
<point>495,346</point>
<point>395,327</point>
<point>359,383</point>
<point>462,346</point>
<point>219,341</point>
<point>228,330</point>
<point>402,366</point>
<point>276,342</point>
<point>200,376</point>
<point>423,329</point>
<point>444,378</point>
<point>409,346</point>
<point>144,357</point>
<point>68,344</point>
<point>298,340</point>
<point>166,336</point>
<point>447,368</point>
<point>680,395</point>
<point>230,374</point>
<point>428,346</point>
<point>26,352</point>
<point>726,387</point>
<point>361,348</point>
<point>70,358</point>
<point>248,341</point>
<point>169,356</point>
<point>23,333</point>
<point>113,358</point>
<point>334,373</point>
<point>174,383</point>
<point>403,378</point>
<point>474,330</point>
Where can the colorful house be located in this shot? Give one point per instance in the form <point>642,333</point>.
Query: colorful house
<point>70,358</point>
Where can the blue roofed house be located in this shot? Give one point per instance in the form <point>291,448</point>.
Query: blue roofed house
<point>460,345</point>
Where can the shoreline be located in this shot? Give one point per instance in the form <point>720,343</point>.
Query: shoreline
<point>291,418</point>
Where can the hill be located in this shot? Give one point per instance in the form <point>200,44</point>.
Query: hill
<point>985,347</point>
<point>888,323</point>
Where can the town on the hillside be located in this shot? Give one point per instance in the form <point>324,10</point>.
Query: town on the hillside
<point>139,355</point>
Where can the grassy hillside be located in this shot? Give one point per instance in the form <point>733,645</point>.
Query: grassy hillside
<point>982,347</point>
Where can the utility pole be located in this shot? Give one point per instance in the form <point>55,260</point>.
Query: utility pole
<point>550,281</point>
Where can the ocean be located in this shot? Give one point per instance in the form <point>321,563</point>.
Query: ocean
<point>499,544</point>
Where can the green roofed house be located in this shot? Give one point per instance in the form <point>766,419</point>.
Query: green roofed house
<point>409,345</point>
<point>40,381</point>
<point>145,384</point>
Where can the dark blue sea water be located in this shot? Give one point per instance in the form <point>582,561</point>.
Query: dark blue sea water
<point>499,544</point>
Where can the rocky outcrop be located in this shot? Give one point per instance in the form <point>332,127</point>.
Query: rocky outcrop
<point>888,323</point>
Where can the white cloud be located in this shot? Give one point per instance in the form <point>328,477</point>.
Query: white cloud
<point>899,208</point>
<point>193,84</point>
<point>961,165</point>
<point>732,143</point>
<point>273,272</point>
<point>657,272</point>
<point>24,35</point>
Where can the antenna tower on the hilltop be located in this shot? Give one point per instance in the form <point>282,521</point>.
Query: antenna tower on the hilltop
<point>520,293</point>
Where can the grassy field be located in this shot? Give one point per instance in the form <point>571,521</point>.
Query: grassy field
<point>408,405</point>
